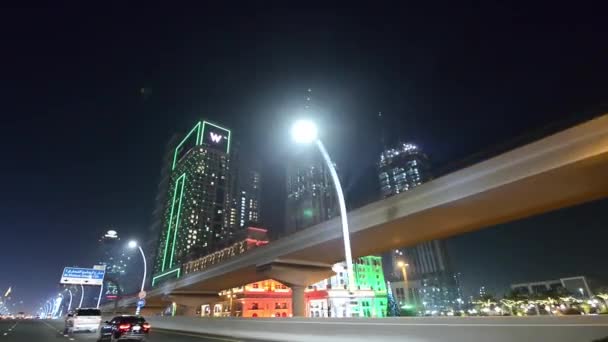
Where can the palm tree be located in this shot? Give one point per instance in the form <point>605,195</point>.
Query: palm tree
<point>516,300</point>
<point>603,296</point>
<point>511,303</point>
<point>486,303</point>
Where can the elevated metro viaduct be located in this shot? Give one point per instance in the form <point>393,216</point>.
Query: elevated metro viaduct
<point>560,170</point>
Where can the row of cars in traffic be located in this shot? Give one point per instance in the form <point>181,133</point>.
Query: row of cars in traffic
<point>20,315</point>
<point>125,327</point>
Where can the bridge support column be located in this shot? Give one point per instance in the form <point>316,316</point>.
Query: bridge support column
<point>297,275</point>
<point>298,302</point>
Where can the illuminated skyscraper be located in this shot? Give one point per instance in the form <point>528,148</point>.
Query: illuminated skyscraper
<point>114,258</point>
<point>311,195</point>
<point>196,215</point>
<point>401,169</point>
<point>249,198</point>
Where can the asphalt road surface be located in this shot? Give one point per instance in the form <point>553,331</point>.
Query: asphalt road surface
<point>495,330</point>
<point>52,330</point>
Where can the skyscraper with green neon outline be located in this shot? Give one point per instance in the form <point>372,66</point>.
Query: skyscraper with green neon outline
<point>195,217</point>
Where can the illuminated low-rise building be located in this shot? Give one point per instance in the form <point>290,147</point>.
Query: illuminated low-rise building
<point>268,298</point>
<point>331,297</point>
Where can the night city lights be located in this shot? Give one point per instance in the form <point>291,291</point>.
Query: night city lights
<point>328,172</point>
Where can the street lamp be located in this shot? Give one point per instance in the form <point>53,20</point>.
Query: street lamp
<point>305,132</point>
<point>81,296</point>
<point>70,303</point>
<point>134,244</point>
<point>100,294</point>
<point>406,288</point>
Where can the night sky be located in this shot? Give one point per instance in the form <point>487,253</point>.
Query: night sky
<point>90,96</point>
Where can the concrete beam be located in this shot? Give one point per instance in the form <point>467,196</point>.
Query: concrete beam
<point>294,272</point>
<point>297,275</point>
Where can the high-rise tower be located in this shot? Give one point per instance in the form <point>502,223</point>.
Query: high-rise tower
<point>114,258</point>
<point>195,219</point>
<point>401,169</point>
<point>311,195</point>
<point>250,198</point>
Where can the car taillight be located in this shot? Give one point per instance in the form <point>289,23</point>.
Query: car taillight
<point>146,326</point>
<point>124,327</point>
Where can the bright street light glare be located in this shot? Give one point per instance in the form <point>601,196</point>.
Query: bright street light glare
<point>132,244</point>
<point>304,131</point>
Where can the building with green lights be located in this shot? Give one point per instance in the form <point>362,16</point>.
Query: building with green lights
<point>195,219</point>
<point>370,276</point>
<point>330,297</point>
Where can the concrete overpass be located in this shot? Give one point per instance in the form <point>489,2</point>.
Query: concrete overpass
<point>563,169</point>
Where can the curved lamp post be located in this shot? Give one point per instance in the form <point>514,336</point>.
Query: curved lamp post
<point>100,294</point>
<point>134,244</point>
<point>305,132</point>
<point>81,295</point>
<point>403,265</point>
<point>70,302</point>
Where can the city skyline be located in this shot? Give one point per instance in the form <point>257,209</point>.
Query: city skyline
<point>86,135</point>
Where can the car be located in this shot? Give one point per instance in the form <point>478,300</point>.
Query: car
<point>83,319</point>
<point>126,327</point>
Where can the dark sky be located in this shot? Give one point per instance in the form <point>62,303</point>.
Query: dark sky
<point>83,146</point>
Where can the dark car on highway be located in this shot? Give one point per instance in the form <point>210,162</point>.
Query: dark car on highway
<point>124,328</point>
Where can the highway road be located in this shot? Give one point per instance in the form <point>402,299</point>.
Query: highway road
<point>52,330</point>
<point>578,329</point>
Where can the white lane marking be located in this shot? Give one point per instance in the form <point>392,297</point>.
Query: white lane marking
<point>10,329</point>
<point>50,326</point>
<point>199,336</point>
<point>447,324</point>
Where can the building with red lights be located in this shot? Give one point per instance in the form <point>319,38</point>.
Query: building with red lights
<point>268,298</point>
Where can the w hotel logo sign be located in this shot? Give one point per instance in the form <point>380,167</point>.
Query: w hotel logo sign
<point>205,133</point>
<point>216,137</point>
